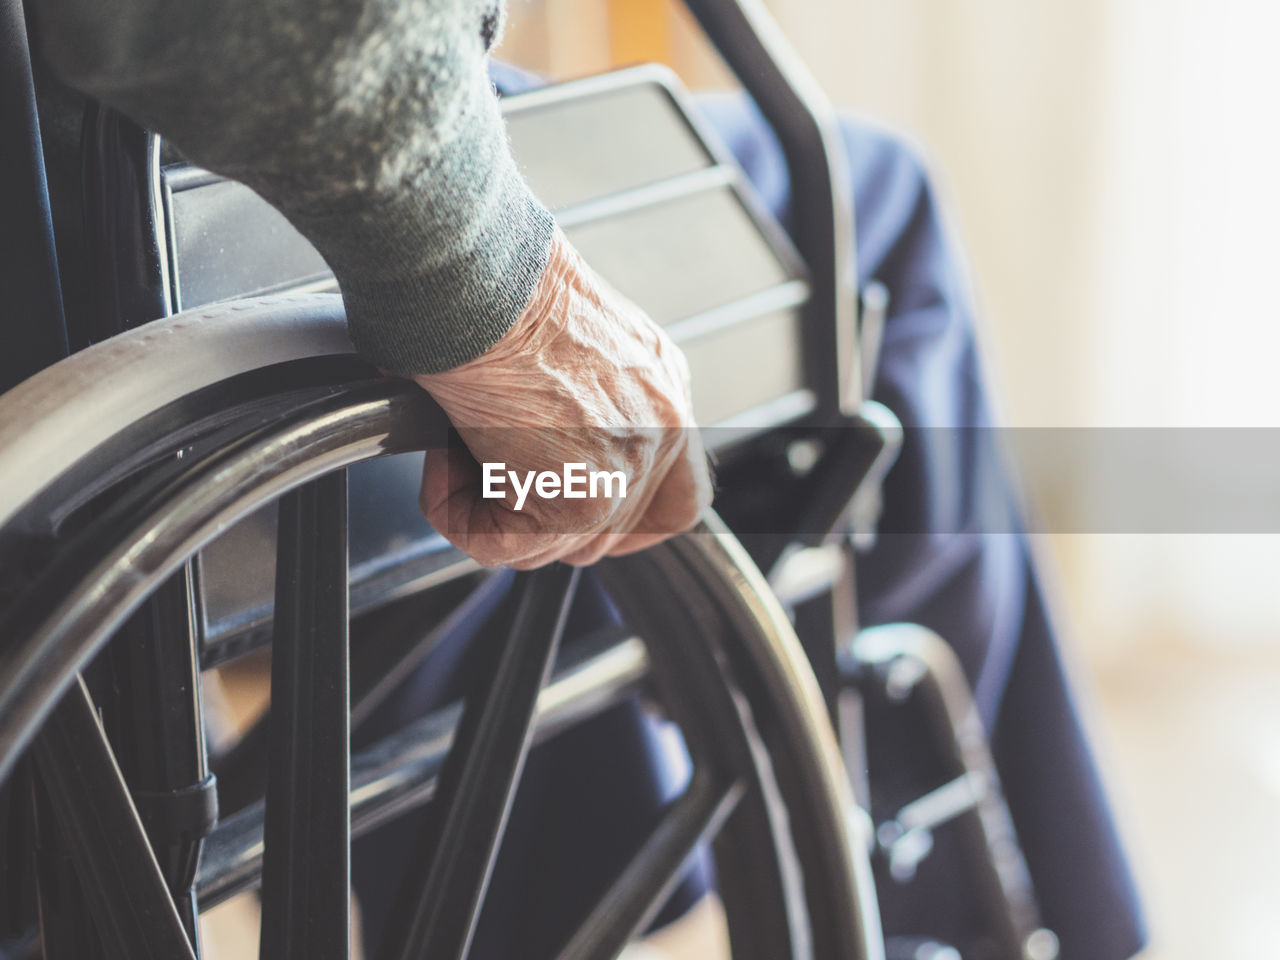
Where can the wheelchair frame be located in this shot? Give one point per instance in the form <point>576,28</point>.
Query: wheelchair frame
<point>171,781</point>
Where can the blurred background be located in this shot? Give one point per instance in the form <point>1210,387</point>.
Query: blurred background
<point>1112,168</point>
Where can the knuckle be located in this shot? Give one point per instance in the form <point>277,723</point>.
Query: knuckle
<point>486,551</point>
<point>529,563</point>
<point>686,516</point>
<point>566,518</point>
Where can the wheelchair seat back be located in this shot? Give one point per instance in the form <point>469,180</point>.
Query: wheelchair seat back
<point>644,194</point>
<point>653,204</point>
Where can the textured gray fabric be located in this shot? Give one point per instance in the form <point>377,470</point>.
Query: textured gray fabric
<point>371,124</point>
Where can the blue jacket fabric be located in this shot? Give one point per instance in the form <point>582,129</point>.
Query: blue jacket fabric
<point>947,556</point>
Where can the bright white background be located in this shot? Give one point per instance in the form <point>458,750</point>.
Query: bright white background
<point>1114,166</point>
<point>1115,170</point>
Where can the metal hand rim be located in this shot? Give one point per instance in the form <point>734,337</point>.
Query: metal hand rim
<point>46,427</point>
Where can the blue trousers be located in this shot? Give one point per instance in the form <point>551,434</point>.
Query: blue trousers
<point>589,796</point>
<point>945,557</point>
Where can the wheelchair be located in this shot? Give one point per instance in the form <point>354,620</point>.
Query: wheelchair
<point>217,475</point>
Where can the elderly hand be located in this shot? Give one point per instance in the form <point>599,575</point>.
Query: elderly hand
<point>583,377</point>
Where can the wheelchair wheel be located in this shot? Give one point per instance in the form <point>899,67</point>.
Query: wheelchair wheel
<point>118,465</point>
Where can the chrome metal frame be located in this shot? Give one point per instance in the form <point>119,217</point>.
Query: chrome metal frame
<point>65,491</point>
<point>903,667</point>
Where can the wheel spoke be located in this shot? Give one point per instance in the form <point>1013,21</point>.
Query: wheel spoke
<point>440,900</point>
<point>306,872</point>
<point>398,773</point>
<point>118,871</point>
<point>398,644</point>
<point>639,890</point>
<point>154,668</point>
<point>17,906</point>
<point>385,651</point>
<point>65,927</point>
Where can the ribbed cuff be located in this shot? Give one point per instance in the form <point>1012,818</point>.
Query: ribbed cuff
<point>438,319</point>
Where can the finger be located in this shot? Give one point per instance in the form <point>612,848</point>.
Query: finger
<point>668,507</point>
<point>635,542</point>
<point>684,493</point>
<point>445,474</point>
<point>597,546</point>
<point>488,530</point>
<point>564,547</point>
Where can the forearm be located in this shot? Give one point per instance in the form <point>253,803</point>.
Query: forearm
<point>371,125</point>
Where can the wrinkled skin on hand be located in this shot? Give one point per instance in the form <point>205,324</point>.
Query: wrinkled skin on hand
<point>583,376</point>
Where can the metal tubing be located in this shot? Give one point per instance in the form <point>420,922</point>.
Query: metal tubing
<point>638,892</point>
<point>399,772</point>
<point>440,898</point>
<point>306,871</point>
<point>35,334</point>
<point>842,905</point>
<point>66,927</point>
<point>177,520</point>
<point>17,902</point>
<point>118,873</point>
<point>125,224</point>
<point>931,680</point>
<point>822,205</point>
<point>815,625</point>
<point>154,716</point>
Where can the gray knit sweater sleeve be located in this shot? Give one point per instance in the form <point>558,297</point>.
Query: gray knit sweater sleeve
<point>371,124</point>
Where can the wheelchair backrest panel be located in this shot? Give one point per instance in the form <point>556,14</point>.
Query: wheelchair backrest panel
<point>651,203</point>
<point>638,188</point>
